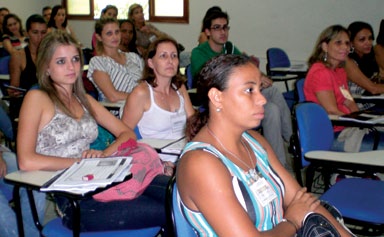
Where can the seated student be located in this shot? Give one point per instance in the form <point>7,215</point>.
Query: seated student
<point>108,11</point>
<point>379,51</point>
<point>58,21</point>
<point>58,122</point>
<point>128,37</point>
<point>3,12</point>
<point>277,125</point>
<point>202,36</point>
<point>46,13</point>
<point>22,63</point>
<point>8,164</point>
<point>113,72</point>
<point>13,34</point>
<point>161,95</point>
<point>146,32</point>
<point>326,81</point>
<point>361,65</point>
<point>221,197</point>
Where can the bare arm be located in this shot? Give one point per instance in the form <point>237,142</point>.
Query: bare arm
<point>16,66</point>
<point>8,46</point>
<point>355,75</point>
<point>379,55</point>
<point>136,104</point>
<point>3,166</point>
<point>328,101</point>
<point>37,110</point>
<point>112,124</point>
<point>187,101</point>
<point>104,82</point>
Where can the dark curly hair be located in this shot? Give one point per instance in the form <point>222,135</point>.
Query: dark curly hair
<point>214,74</point>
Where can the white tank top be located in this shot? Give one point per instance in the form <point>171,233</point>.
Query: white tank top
<point>163,124</point>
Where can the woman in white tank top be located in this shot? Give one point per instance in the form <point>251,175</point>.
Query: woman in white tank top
<point>159,106</point>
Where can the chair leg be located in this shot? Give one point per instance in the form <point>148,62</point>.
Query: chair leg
<point>286,85</point>
<point>376,138</point>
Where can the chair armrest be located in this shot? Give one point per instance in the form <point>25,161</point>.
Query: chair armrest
<point>370,158</point>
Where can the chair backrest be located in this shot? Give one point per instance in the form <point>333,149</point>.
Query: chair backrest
<point>180,226</point>
<point>4,64</point>
<point>314,129</point>
<point>188,74</point>
<point>299,86</point>
<point>277,57</point>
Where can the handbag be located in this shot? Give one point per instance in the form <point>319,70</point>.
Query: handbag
<point>146,165</point>
<point>316,225</point>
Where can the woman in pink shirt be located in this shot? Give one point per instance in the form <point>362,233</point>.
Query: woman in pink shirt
<point>326,81</point>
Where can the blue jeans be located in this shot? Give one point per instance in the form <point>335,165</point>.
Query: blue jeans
<point>5,124</point>
<point>148,210</point>
<point>277,124</point>
<point>8,222</point>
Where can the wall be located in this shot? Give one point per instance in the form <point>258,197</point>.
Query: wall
<point>255,24</point>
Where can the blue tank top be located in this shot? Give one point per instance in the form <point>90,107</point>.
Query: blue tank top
<point>263,217</point>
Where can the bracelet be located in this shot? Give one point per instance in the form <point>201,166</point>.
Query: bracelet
<point>290,222</point>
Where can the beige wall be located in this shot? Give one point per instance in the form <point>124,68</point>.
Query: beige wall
<point>255,24</point>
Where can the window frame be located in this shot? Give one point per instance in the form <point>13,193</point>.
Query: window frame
<point>152,16</point>
<point>169,19</point>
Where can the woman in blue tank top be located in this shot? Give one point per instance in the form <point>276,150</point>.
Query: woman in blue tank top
<point>229,180</point>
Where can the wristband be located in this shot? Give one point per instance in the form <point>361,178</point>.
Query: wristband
<point>290,222</point>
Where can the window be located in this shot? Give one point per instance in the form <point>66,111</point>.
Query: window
<point>176,11</point>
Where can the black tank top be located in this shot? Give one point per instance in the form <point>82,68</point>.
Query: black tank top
<point>28,76</point>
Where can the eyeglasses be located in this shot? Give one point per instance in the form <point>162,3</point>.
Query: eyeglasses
<point>220,28</point>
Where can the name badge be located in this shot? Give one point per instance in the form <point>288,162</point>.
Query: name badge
<point>346,93</point>
<point>178,123</point>
<point>263,191</point>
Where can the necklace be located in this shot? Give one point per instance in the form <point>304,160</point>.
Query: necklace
<point>252,170</point>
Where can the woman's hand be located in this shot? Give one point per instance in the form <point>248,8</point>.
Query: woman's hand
<point>92,154</point>
<point>302,203</point>
<point>3,166</point>
<point>169,168</point>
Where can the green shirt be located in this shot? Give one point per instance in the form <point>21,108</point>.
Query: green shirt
<point>203,53</point>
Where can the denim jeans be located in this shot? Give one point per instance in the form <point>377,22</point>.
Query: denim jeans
<point>277,125</point>
<point>8,222</point>
<point>5,124</point>
<point>148,210</point>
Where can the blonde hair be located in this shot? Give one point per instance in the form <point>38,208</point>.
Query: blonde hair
<point>326,36</point>
<point>99,26</point>
<point>47,48</point>
<point>132,8</point>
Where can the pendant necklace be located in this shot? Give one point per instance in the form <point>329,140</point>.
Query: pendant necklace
<point>252,170</point>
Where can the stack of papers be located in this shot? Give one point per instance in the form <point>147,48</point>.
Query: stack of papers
<point>366,116</point>
<point>90,174</point>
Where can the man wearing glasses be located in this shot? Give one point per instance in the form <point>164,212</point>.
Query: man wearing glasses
<point>276,124</point>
